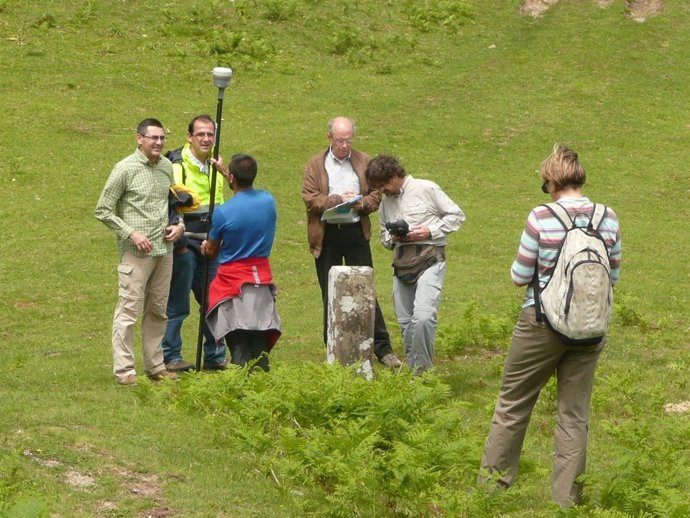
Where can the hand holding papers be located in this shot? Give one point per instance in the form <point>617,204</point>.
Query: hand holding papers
<point>343,212</point>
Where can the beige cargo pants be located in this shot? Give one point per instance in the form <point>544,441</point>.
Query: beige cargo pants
<point>536,354</point>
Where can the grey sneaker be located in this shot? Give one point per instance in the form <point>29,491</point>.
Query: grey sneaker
<point>391,361</point>
<point>179,365</point>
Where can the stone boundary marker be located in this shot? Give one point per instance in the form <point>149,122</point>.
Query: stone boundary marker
<point>351,302</point>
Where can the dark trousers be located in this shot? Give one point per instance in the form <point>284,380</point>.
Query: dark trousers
<point>344,244</point>
<point>246,346</point>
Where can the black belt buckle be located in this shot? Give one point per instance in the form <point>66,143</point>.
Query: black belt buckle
<point>341,226</point>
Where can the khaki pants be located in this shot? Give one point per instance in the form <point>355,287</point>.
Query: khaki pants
<point>535,355</point>
<point>144,283</point>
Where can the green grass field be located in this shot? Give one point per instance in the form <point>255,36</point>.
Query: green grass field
<point>469,94</point>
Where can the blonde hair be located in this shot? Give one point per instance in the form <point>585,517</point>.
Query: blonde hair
<point>562,169</point>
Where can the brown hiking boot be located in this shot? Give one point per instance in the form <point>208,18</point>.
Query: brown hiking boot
<point>160,375</point>
<point>130,379</point>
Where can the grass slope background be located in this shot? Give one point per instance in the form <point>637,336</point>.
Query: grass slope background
<point>469,94</point>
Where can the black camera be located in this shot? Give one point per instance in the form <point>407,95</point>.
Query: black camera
<point>398,228</point>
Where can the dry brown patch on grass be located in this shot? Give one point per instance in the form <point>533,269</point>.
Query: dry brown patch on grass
<point>487,354</point>
<point>640,10</point>
<point>74,478</point>
<point>535,8</point>
<point>83,127</point>
<point>160,512</point>
<point>677,408</point>
<point>24,304</point>
<point>139,485</point>
<point>107,507</point>
<point>48,463</point>
<point>144,486</point>
<point>78,479</point>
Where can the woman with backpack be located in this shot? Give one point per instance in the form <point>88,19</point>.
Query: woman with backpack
<point>539,348</point>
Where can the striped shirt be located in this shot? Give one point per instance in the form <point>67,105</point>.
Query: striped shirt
<point>542,238</point>
<point>135,197</point>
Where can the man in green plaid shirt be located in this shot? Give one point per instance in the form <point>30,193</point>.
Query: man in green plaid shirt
<point>134,205</point>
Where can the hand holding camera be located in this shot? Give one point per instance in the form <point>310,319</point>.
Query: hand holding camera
<point>398,228</point>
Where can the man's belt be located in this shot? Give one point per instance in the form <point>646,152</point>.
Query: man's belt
<point>343,225</point>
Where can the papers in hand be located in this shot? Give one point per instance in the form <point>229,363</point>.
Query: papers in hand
<point>343,212</point>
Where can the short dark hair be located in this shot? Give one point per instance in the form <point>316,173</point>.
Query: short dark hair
<point>244,169</point>
<point>382,168</point>
<point>203,118</point>
<point>141,128</point>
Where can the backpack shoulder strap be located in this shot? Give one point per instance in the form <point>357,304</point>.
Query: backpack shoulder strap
<point>560,214</point>
<point>598,214</point>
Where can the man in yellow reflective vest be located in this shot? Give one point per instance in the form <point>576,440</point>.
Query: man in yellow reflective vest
<point>193,169</point>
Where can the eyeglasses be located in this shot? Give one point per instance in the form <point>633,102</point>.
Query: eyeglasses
<point>201,134</point>
<point>155,138</point>
<point>545,187</point>
<point>342,141</point>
